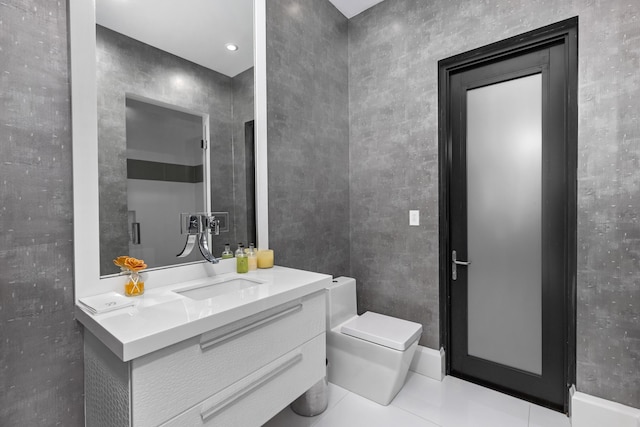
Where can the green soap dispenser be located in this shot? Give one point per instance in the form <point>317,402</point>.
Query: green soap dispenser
<point>242,260</point>
<point>227,252</point>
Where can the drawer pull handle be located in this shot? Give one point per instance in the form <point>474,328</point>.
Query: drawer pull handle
<point>215,409</point>
<point>219,340</point>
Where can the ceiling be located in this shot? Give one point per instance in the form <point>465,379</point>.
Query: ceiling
<point>351,8</point>
<point>196,30</point>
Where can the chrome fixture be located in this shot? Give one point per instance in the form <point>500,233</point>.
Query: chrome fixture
<point>197,226</point>
<point>455,263</point>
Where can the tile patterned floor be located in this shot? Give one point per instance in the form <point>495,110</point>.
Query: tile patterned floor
<point>424,402</point>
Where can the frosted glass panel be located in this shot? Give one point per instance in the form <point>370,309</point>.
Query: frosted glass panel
<point>504,214</point>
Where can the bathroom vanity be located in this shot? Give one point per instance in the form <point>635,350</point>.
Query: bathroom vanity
<point>229,350</point>
<point>200,347</point>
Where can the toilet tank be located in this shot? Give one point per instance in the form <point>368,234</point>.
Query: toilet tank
<point>341,301</point>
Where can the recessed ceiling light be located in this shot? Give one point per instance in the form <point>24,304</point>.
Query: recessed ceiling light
<point>232,47</point>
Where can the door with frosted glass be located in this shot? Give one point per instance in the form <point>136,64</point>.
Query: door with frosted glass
<point>507,211</point>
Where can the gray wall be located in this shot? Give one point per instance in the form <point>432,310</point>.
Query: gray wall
<point>394,161</point>
<point>308,134</point>
<point>41,370</point>
<point>243,111</point>
<point>127,66</point>
<point>393,53</point>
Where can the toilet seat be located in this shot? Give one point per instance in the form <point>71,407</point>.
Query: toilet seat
<point>383,330</point>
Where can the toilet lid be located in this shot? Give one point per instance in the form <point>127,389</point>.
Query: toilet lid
<point>383,330</point>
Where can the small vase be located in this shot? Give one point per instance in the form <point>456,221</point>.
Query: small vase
<point>134,285</point>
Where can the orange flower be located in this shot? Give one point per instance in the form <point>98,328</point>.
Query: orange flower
<point>134,264</point>
<point>130,263</point>
<point>120,261</point>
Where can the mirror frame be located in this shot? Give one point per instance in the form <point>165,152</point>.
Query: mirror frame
<point>84,113</point>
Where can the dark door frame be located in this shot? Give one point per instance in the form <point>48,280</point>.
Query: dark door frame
<point>565,32</point>
<point>250,178</point>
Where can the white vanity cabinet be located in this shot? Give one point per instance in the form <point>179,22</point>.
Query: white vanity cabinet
<point>239,374</point>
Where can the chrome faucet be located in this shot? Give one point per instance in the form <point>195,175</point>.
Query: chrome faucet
<point>197,226</point>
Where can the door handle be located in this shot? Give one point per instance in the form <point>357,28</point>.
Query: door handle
<point>454,263</point>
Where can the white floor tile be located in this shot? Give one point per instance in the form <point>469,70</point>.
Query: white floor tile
<point>457,403</point>
<point>421,396</point>
<point>288,418</point>
<point>424,402</point>
<point>543,417</point>
<point>355,411</point>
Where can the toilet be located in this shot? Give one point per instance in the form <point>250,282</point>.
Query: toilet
<point>369,354</point>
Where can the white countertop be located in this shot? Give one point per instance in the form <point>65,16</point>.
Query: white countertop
<point>162,317</point>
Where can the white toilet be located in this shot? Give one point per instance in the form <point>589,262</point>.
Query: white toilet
<point>369,354</point>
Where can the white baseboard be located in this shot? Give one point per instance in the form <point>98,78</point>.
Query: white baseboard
<point>429,362</point>
<point>591,411</point>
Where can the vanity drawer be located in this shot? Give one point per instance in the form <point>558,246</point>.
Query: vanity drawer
<point>173,379</point>
<point>258,397</point>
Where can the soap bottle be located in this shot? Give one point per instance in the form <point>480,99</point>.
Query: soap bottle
<point>227,251</point>
<point>242,261</point>
<point>253,257</point>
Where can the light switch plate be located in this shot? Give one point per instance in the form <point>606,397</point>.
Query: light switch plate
<point>414,217</point>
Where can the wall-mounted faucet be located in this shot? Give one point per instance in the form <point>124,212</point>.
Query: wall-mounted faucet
<point>197,226</point>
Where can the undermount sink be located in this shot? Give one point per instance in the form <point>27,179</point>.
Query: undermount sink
<point>211,290</point>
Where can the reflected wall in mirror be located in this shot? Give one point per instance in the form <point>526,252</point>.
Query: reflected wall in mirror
<point>167,76</point>
<point>165,176</point>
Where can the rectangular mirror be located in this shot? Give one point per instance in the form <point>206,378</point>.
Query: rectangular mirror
<point>175,58</point>
<point>127,173</point>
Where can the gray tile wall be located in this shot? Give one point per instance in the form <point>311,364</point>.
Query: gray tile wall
<point>41,369</point>
<point>308,135</point>
<point>243,111</point>
<point>394,163</point>
<point>393,53</point>
<point>126,66</point>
